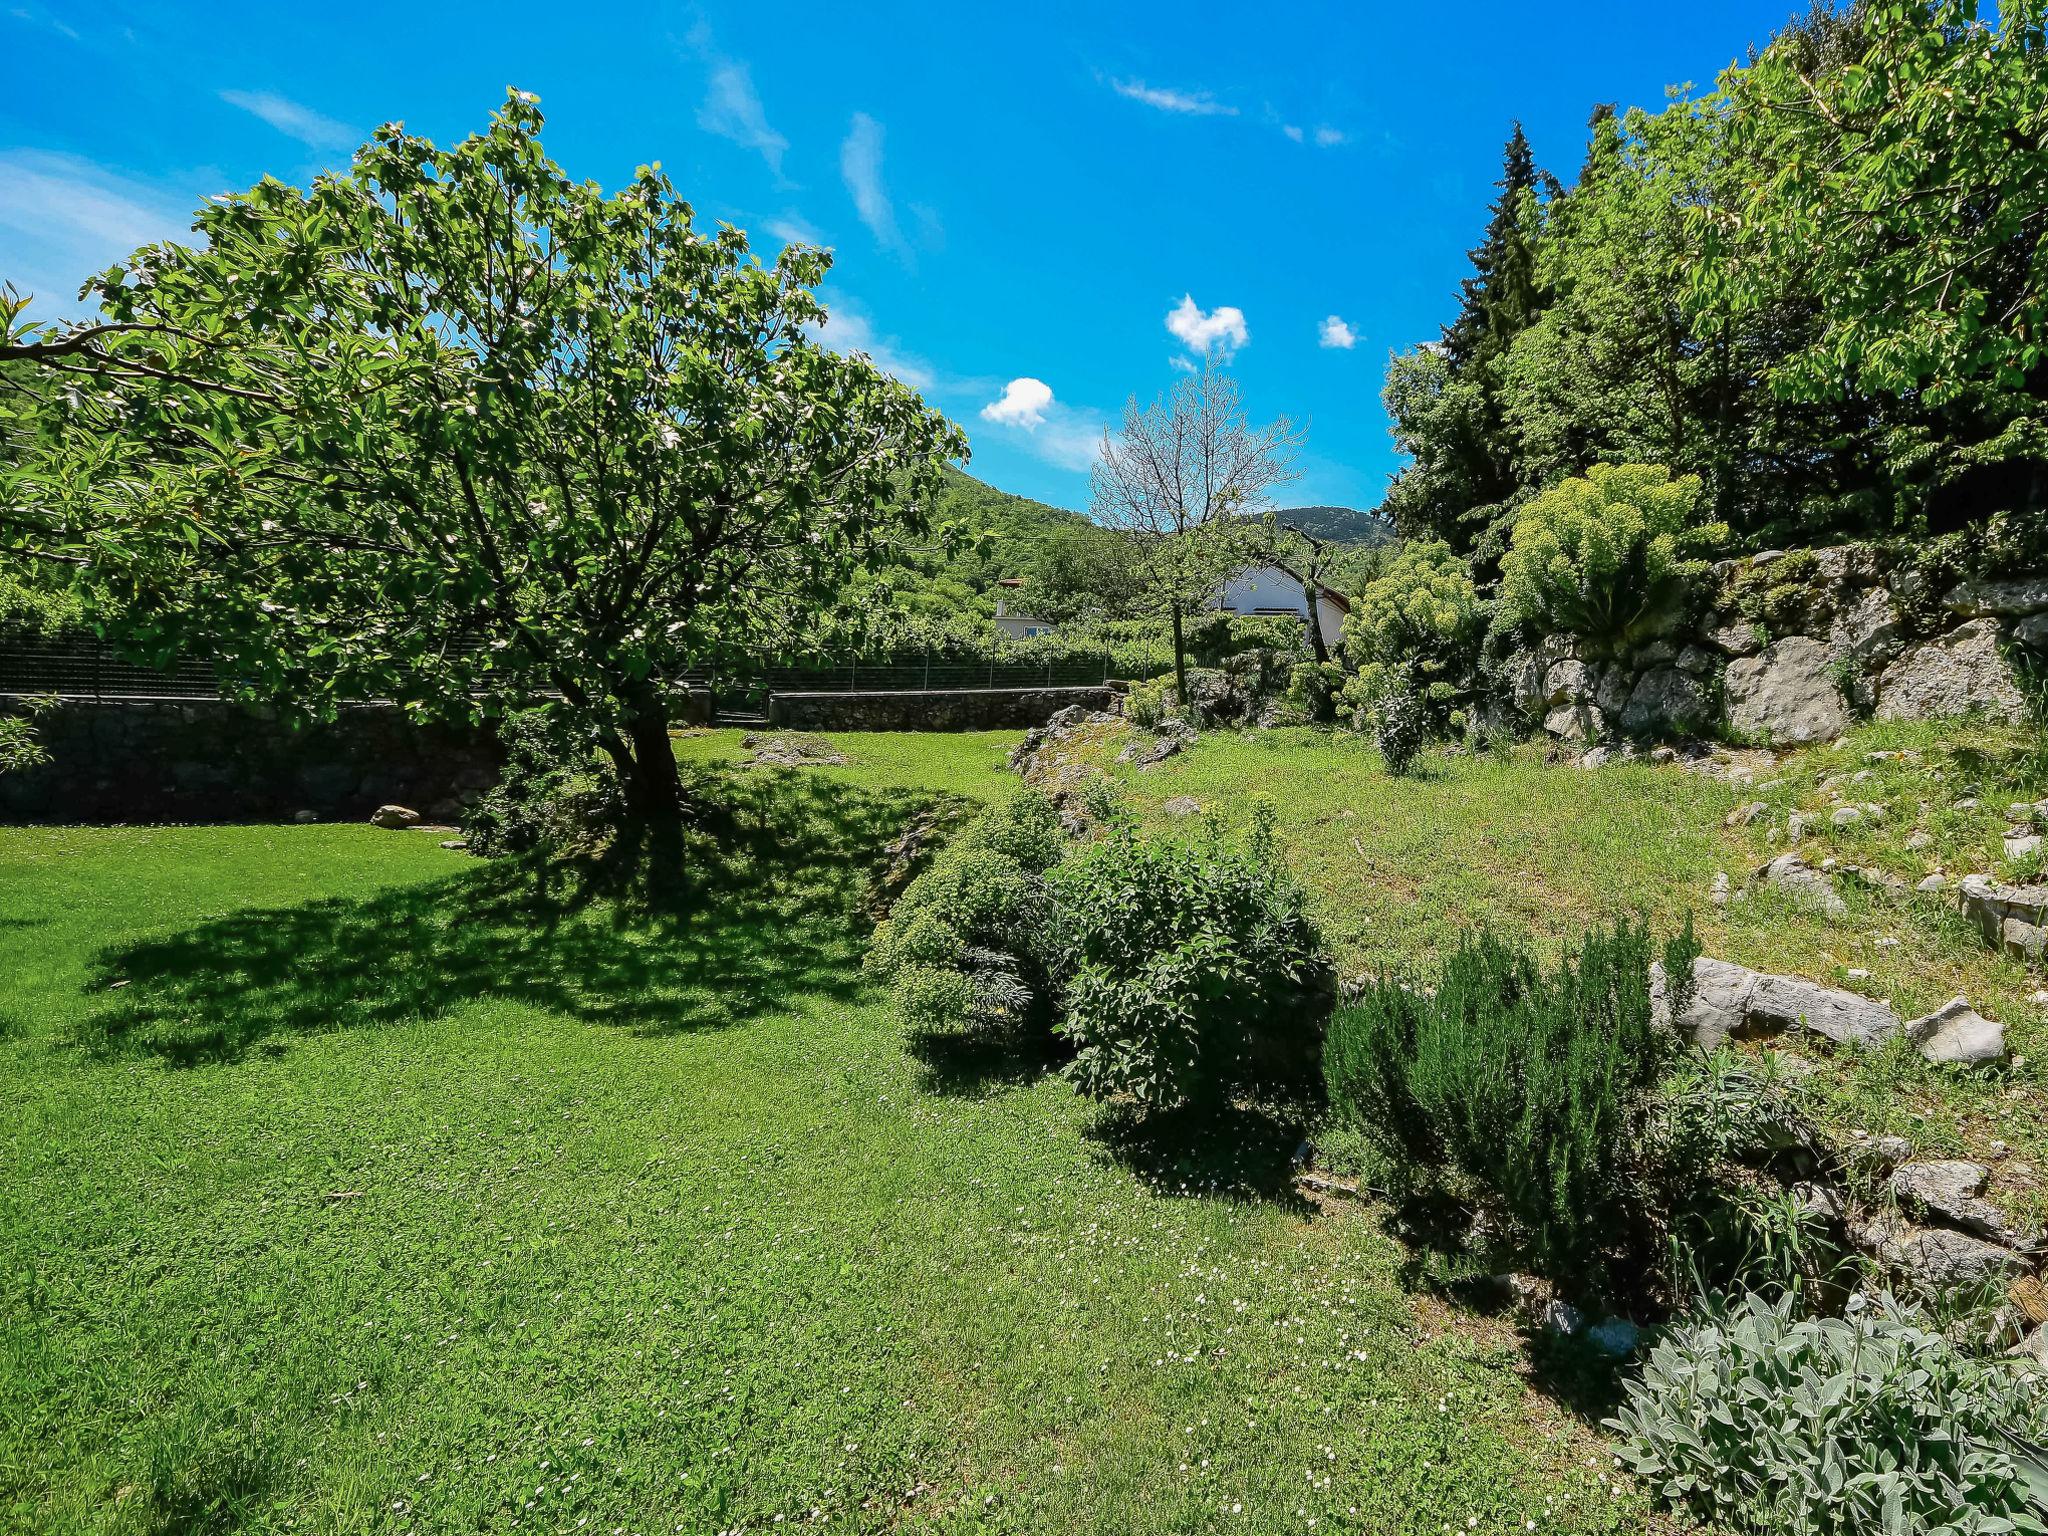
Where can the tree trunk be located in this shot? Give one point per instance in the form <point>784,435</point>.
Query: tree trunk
<point>654,793</point>
<point>1314,593</point>
<point>1180,659</point>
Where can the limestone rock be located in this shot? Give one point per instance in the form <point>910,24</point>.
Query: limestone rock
<point>1576,722</point>
<point>305,818</point>
<point>1961,672</point>
<point>1979,599</point>
<point>1950,1192</point>
<point>1732,634</point>
<point>1799,880</point>
<point>1182,805</point>
<point>1933,885</point>
<point>1867,627</point>
<point>1935,1257</point>
<point>1615,1337</point>
<point>2011,917</point>
<point>1788,693</point>
<point>394,818</point>
<point>1729,999</point>
<point>1664,699</point>
<point>1743,815</point>
<point>2032,633</point>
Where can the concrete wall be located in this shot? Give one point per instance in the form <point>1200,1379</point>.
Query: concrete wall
<point>140,760</point>
<point>966,709</point>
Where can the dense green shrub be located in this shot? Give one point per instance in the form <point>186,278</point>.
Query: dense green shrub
<point>1189,971</point>
<point>1871,1422</point>
<point>1213,638</point>
<point>553,793</point>
<point>1147,704</point>
<point>965,943</point>
<point>1402,731</point>
<point>1525,1091</point>
<point>1613,558</point>
<point>1312,689</point>
<point>1414,629</point>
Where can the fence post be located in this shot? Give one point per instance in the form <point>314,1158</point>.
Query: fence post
<point>927,668</point>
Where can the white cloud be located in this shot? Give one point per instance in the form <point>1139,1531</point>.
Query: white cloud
<point>1218,333</point>
<point>794,229</point>
<point>731,107</point>
<point>732,111</point>
<point>1194,103</point>
<point>845,329</point>
<point>1333,332</point>
<point>64,219</point>
<point>313,129</point>
<point>1059,434</point>
<point>1292,130</point>
<point>1023,404</point>
<point>1329,138</point>
<point>860,163</point>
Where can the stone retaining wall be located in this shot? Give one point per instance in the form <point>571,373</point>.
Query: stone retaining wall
<point>965,709</point>
<point>143,760</point>
<point>1795,646</point>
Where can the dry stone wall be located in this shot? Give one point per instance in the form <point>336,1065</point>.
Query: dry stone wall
<point>1795,647</point>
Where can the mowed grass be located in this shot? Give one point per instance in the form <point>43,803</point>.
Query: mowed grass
<point>347,1184</point>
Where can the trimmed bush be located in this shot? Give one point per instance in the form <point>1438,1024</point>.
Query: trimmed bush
<point>1526,1091</point>
<point>1188,971</point>
<point>1872,1422</point>
<point>1612,558</point>
<point>965,944</point>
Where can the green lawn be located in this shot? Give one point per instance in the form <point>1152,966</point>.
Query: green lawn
<point>347,1184</point>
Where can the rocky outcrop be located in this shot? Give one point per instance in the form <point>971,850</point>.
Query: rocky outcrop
<point>1788,694</point>
<point>1798,644</point>
<point>1960,673</point>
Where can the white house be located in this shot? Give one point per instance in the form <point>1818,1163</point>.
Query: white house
<point>1016,626</point>
<point>1273,588</point>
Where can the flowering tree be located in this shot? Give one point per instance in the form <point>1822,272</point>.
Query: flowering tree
<point>453,429</point>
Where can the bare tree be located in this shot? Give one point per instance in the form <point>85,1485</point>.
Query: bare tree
<point>1179,477</point>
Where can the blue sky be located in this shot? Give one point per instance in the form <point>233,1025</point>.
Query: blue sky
<point>1037,211</point>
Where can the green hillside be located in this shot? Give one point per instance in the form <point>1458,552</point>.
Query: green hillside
<point>1337,525</point>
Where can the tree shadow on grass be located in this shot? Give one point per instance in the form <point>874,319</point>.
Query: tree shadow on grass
<point>768,906</point>
<point>1239,1151</point>
<point>967,1063</point>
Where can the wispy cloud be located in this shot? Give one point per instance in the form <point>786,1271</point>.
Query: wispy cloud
<point>1166,99</point>
<point>731,107</point>
<point>1333,332</point>
<point>1329,138</point>
<point>294,120</point>
<point>65,218</point>
<point>792,228</point>
<point>845,329</point>
<point>860,163</point>
<point>1216,333</point>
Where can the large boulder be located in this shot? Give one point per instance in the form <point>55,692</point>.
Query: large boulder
<point>2011,917</point>
<point>1788,693</point>
<point>1951,1192</point>
<point>1957,1033</point>
<point>1729,999</point>
<point>1664,699</point>
<point>1962,672</point>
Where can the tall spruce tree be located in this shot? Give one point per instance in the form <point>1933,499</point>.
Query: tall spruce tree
<point>1501,298</point>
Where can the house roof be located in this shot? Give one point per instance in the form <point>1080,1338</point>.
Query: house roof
<point>1343,603</point>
